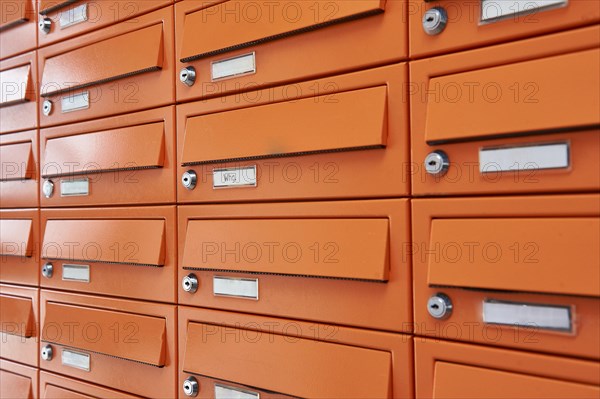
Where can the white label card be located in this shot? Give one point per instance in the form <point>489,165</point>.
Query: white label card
<point>225,392</point>
<point>527,315</point>
<point>75,102</point>
<point>73,16</point>
<point>236,66</point>
<point>77,360</point>
<point>235,287</point>
<point>79,273</point>
<point>496,10</point>
<point>72,188</point>
<point>530,157</point>
<point>234,177</point>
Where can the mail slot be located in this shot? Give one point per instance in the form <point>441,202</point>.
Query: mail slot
<point>18,105</point>
<point>337,261</point>
<point>235,45</point>
<point>528,118</point>
<point>107,71</point>
<point>126,252</point>
<point>19,319</point>
<point>441,26</point>
<point>63,19</point>
<point>100,340</point>
<point>512,271</point>
<point>124,159</point>
<point>19,170</point>
<point>456,370</point>
<point>17,27</point>
<point>290,142</point>
<point>18,381</point>
<point>53,386</point>
<point>19,241</point>
<point>298,359</point>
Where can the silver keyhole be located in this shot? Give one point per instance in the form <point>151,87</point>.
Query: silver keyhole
<point>189,179</point>
<point>437,163</point>
<point>191,386</point>
<point>439,306</point>
<point>47,107</point>
<point>44,24</point>
<point>47,270</point>
<point>190,283</point>
<point>47,353</point>
<point>48,188</point>
<point>187,75</point>
<point>435,21</point>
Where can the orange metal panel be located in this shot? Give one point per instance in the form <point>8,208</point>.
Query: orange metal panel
<point>465,28</point>
<point>19,241</point>
<point>19,175</point>
<point>339,137</point>
<point>144,332</point>
<point>122,68</point>
<point>18,381</point>
<point>18,26</point>
<point>54,386</point>
<point>290,40</point>
<point>318,360</point>
<point>528,254</point>
<point>296,245</point>
<point>19,317</point>
<point>121,251</point>
<point>454,370</point>
<point>514,98</point>
<point>18,94</point>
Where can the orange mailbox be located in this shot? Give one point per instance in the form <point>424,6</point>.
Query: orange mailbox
<point>455,370</point>
<point>511,271</point>
<point>17,27</point>
<point>19,321</point>
<point>18,98</point>
<point>126,252</point>
<point>19,241</point>
<point>18,381</point>
<point>62,19</point>
<point>438,26</point>
<point>128,159</point>
<point>125,345</point>
<point>118,69</point>
<point>229,355</point>
<point>518,117</point>
<point>337,261</point>
<point>54,386</point>
<point>236,45</point>
<point>19,164</point>
<point>345,136</point>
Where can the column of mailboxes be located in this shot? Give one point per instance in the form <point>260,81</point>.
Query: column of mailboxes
<point>281,231</point>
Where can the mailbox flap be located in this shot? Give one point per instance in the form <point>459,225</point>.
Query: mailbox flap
<point>17,161</point>
<point>54,392</point>
<point>144,342</point>
<point>16,316</point>
<point>524,97</point>
<point>127,241</point>
<point>334,248</point>
<point>478,381</point>
<point>355,120</point>
<point>284,365</point>
<point>15,386</point>
<point>15,237</point>
<point>111,59</point>
<point>136,147</point>
<point>16,85</point>
<point>549,255</point>
<point>47,6</point>
<point>210,31</point>
<point>14,13</point>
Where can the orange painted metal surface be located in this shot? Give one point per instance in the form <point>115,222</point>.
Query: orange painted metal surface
<point>18,95</point>
<point>306,364</point>
<point>516,95</point>
<point>144,332</point>
<point>291,40</point>
<point>19,246</point>
<point>18,381</point>
<point>19,170</point>
<point>122,68</point>
<point>521,250</point>
<point>121,251</point>
<point>340,137</point>
<point>136,164</point>
<point>53,386</point>
<point>18,27</point>
<point>19,318</point>
<point>311,250</point>
<point>455,370</point>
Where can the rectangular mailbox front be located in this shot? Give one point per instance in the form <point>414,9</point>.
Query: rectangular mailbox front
<point>19,241</point>
<point>521,272</point>
<point>18,27</point>
<point>18,93</point>
<point>18,381</point>
<point>53,386</point>
<point>19,321</point>
<point>125,252</point>
<point>323,261</point>
<point>19,175</point>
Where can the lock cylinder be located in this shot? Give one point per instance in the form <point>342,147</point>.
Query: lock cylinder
<point>45,24</point>
<point>47,107</point>
<point>48,188</point>
<point>191,386</point>
<point>190,283</point>
<point>437,163</point>
<point>187,75</point>
<point>47,270</point>
<point>435,21</point>
<point>47,353</point>
<point>439,306</point>
<point>189,179</point>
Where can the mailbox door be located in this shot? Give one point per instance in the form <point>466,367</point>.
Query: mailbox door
<point>18,93</point>
<point>53,386</point>
<point>19,321</point>
<point>19,240</point>
<point>19,163</point>
<point>18,26</point>
<point>18,381</point>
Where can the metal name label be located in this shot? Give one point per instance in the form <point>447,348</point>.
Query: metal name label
<point>72,188</point>
<point>225,392</point>
<point>75,102</point>
<point>496,10</point>
<point>527,315</point>
<point>235,287</point>
<point>231,67</point>
<point>79,273</point>
<point>73,16</point>
<point>530,157</point>
<point>77,360</point>
<point>234,177</point>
